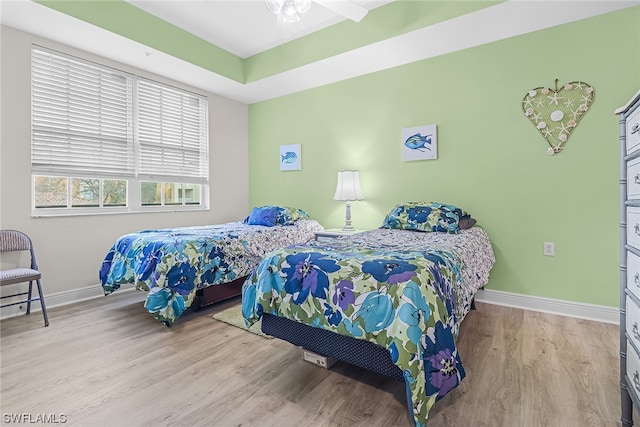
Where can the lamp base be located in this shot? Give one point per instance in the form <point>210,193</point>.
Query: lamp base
<point>347,221</point>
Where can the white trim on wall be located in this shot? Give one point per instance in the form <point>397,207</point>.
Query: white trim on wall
<point>60,299</point>
<point>597,313</point>
<point>498,22</point>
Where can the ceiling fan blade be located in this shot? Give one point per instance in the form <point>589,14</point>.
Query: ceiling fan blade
<point>345,8</point>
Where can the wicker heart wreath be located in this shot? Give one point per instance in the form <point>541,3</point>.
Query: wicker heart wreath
<point>557,112</point>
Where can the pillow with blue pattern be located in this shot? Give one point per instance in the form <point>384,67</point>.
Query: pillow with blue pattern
<point>427,216</point>
<point>288,216</point>
<point>263,216</point>
<point>284,215</point>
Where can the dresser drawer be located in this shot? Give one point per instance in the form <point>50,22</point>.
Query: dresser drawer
<point>633,227</point>
<point>633,131</point>
<point>633,322</point>
<point>633,370</point>
<point>633,273</point>
<point>633,179</point>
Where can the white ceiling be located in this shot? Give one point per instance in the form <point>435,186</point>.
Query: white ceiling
<point>504,20</point>
<point>243,27</point>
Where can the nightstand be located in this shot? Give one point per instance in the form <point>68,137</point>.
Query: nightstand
<point>332,233</point>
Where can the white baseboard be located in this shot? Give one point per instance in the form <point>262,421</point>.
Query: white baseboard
<point>59,299</point>
<point>598,313</point>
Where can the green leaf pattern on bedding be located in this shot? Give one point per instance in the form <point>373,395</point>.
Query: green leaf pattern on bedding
<point>172,264</point>
<point>403,290</point>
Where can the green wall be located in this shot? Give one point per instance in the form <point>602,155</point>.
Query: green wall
<point>395,18</point>
<point>124,19</point>
<point>491,160</point>
<point>390,20</point>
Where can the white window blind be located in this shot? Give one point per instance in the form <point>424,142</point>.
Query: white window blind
<point>172,131</point>
<point>82,117</point>
<point>106,140</point>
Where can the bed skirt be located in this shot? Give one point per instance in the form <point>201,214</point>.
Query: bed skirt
<point>356,352</point>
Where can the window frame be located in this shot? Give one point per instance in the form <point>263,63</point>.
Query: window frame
<point>133,203</point>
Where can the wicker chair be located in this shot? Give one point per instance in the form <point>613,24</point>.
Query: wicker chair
<point>11,241</point>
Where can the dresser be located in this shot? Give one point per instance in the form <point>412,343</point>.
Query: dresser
<point>629,257</point>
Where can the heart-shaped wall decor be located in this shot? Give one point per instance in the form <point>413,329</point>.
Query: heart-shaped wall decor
<point>557,112</point>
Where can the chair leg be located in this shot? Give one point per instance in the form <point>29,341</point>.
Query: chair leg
<point>44,307</point>
<point>29,297</point>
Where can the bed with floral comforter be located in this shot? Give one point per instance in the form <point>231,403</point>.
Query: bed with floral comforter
<point>172,264</point>
<point>407,291</point>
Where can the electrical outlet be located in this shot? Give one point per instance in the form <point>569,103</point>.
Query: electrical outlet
<point>549,249</point>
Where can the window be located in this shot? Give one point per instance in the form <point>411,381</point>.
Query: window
<point>108,141</point>
<point>168,193</point>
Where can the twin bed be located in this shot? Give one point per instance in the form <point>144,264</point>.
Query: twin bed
<point>195,266</point>
<point>390,300</point>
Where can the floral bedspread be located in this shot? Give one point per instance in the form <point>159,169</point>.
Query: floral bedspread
<point>404,290</point>
<point>173,263</point>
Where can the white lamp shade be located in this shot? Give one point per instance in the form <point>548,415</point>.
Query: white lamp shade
<point>348,186</point>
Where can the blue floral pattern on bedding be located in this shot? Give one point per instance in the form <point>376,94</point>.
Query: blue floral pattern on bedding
<point>284,215</point>
<point>425,216</point>
<point>403,290</point>
<point>172,264</point>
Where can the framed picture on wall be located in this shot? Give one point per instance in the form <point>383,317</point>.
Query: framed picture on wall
<point>290,157</point>
<point>420,143</point>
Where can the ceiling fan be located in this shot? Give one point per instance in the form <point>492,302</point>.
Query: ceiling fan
<point>291,9</point>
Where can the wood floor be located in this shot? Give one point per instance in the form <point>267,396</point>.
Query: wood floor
<point>106,362</point>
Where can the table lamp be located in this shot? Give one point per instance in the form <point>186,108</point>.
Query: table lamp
<point>348,189</point>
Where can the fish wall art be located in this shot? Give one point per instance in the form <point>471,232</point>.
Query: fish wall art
<point>420,143</point>
<point>290,157</point>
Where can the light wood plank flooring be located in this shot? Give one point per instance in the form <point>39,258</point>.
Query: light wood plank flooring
<point>106,362</point>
